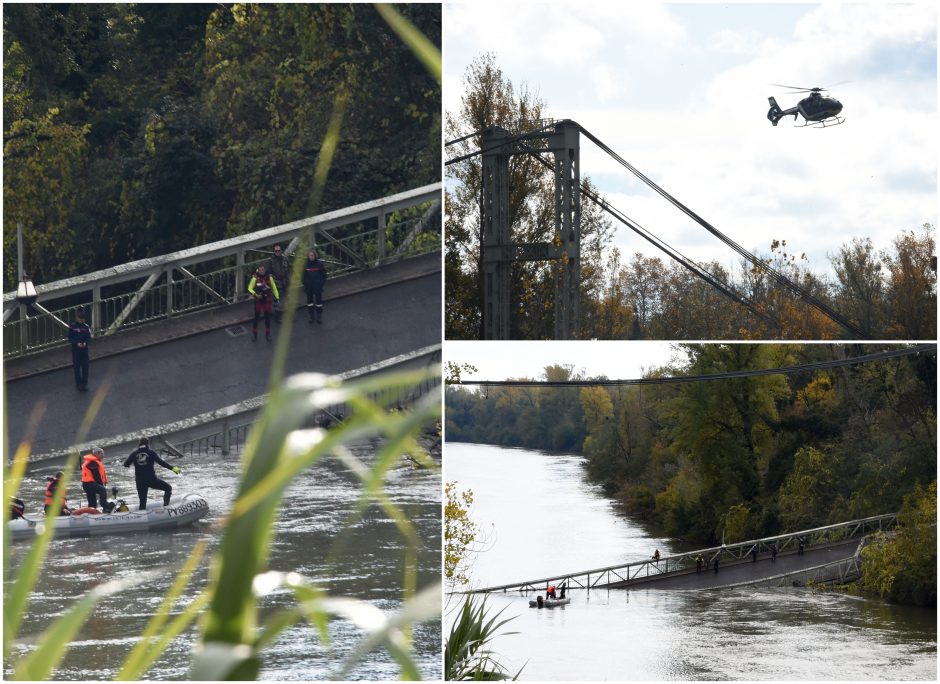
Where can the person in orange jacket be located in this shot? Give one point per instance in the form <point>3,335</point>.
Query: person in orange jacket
<point>94,479</point>
<point>52,483</point>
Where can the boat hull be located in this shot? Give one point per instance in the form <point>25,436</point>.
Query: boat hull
<point>181,511</point>
<point>549,603</point>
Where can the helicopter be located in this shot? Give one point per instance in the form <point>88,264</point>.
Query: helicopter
<point>817,110</point>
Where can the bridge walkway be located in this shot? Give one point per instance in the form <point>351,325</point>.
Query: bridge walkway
<point>827,545</point>
<point>170,371</point>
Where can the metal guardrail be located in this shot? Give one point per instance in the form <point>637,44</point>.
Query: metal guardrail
<point>837,572</point>
<point>226,429</point>
<point>230,438</point>
<point>349,240</point>
<point>649,570</point>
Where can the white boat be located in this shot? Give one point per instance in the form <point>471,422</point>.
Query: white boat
<point>549,602</point>
<point>182,510</point>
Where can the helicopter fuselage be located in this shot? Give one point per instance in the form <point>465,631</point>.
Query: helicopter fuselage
<point>817,108</point>
<point>814,109</point>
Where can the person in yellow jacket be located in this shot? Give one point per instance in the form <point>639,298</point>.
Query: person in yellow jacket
<point>264,290</point>
<point>94,479</point>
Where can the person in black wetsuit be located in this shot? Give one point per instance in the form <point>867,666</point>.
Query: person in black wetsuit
<point>143,458</point>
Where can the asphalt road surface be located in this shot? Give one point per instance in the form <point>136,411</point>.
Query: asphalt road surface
<point>185,377</point>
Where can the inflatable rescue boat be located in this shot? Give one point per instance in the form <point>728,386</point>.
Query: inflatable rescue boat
<point>182,510</point>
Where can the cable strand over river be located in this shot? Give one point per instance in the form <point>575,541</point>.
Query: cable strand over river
<point>800,368</point>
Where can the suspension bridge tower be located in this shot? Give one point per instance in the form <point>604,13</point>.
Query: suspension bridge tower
<point>561,139</point>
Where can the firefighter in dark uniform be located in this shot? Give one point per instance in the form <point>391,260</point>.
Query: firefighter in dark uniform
<point>52,483</point>
<point>314,280</point>
<point>143,458</point>
<point>263,288</point>
<point>94,479</point>
<point>279,268</point>
<point>79,337</point>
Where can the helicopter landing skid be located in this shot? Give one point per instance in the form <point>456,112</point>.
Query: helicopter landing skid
<point>825,123</point>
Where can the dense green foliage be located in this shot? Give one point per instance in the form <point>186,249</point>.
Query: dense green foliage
<point>887,294</point>
<point>537,418</point>
<point>135,130</point>
<point>903,566</point>
<point>746,457</point>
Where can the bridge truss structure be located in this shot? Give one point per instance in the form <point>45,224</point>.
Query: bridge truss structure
<point>352,239</point>
<point>646,571</point>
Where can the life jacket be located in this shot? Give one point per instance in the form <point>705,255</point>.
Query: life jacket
<point>87,475</point>
<point>50,489</point>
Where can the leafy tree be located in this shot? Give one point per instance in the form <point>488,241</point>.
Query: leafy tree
<point>491,99</point>
<point>902,567</point>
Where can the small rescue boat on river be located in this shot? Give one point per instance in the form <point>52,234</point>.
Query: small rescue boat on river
<point>540,602</point>
<point>182,510</point>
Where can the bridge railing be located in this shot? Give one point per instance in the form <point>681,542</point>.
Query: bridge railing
<point>225,430</point>
<point>232,435</point>
<point>646,570</point>
<point>350,239</point>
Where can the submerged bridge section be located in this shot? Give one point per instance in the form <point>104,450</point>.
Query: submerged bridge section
<point>830,554</point>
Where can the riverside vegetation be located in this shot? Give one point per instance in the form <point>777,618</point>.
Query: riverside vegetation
<point>133,130</point>
<point>747,457</point>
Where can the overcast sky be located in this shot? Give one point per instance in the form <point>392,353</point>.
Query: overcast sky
<point>519,359</point>
<point>680,91</point>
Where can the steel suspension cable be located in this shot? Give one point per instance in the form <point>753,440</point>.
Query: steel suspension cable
<point>670,251</point>
<point>778,277</point>
<point>682,379</point>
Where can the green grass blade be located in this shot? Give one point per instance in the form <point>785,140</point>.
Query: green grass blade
<point>144,652</point>
<point>18,597</point>
<point>425,606</point>
<point>424,49</point>
<point>173,630</point>
<point>39,663</point>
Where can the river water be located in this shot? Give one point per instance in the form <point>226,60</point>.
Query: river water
<point>369,567</point>
<point>542,517</point>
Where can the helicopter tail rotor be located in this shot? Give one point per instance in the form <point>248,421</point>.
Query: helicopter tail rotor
<point>775,113</point>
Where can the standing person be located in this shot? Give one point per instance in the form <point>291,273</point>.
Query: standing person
<point>802,542</point>
<point>715,563</point>
<point>550,591</point>
<point>94,479</point>
<point>279,268</point>
<point>79,336</point>
<point>773,552</point>
<point>656,556</point>
<point>754,554</point>
<point>52,483</point>
<point>699,562</point>
<point>143,458</point>
<point>263,288</point>
<point>314,279</point>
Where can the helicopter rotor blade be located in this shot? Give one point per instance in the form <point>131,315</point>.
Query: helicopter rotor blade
<point>798,89</point>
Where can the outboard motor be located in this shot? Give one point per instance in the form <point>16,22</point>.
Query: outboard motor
<point>17,508</point>
<point>540,601</point>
